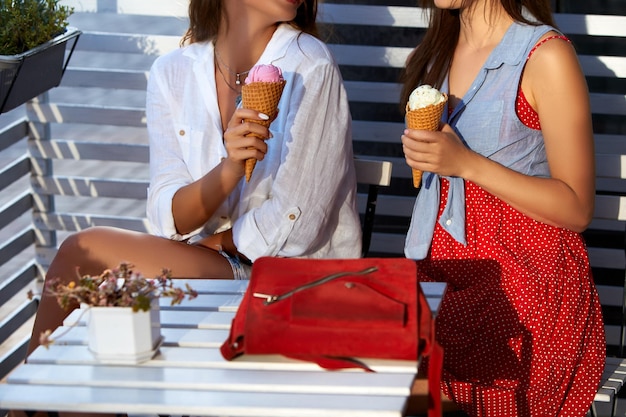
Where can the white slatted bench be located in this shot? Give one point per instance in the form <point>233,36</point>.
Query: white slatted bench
<point>97,115</point>
<point>188,375</point>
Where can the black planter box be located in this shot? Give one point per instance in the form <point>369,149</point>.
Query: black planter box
<point>26,75</point>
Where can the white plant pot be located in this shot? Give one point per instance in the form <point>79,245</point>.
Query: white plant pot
<point>117,334</point>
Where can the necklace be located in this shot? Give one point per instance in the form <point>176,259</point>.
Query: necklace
<point>226,81</point>
<point>237,75</point>
<point>238,92</point>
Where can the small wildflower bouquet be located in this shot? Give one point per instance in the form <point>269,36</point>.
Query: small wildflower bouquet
<point>119,287</point>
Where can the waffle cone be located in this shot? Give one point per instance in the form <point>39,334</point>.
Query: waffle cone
<point>426,118</point>
<point>262,97</point>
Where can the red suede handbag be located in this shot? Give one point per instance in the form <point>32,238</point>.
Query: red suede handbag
<point>335,311</point>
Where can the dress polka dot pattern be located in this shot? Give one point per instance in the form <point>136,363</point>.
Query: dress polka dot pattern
<point>521,323</point>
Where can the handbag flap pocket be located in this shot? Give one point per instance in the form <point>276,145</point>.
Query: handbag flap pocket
<point>347,302</point>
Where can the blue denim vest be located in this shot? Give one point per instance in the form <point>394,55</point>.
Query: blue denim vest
<point>487,123</point>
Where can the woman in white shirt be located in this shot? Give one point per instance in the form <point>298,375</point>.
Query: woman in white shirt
<point>207,221</point>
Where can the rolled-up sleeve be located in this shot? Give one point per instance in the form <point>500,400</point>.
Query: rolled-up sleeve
<point>168,171</point>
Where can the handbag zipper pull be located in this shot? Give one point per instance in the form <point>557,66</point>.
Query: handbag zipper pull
<point>268,298</point>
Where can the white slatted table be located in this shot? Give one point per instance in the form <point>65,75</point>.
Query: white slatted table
<point>188,375</point>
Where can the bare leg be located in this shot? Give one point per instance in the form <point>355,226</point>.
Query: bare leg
<point>95,249</point>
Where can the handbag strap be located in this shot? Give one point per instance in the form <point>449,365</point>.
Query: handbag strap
<point>270,299</point>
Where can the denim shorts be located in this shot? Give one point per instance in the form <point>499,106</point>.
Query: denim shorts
<point>241,269</point>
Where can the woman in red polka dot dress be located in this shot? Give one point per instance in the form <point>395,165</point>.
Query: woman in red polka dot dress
<point>508,187</point>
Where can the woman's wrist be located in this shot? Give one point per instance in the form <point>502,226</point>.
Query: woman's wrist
<point>232,169</point>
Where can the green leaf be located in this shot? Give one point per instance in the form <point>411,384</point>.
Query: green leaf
<point>25,24</point>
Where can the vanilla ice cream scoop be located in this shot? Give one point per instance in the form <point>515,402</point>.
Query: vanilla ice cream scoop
<point>424,96</point>
<point>423,111</point>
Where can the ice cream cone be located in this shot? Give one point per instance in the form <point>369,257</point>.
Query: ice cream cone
<point>262,97</point>
<point>425,118</point>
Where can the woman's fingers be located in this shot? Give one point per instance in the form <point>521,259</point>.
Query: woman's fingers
<point>244,138</point>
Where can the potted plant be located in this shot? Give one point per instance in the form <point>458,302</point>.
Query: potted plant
<point>33,39</point>
<point>123,308</point>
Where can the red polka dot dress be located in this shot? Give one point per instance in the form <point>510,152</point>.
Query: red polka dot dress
<point>521,323</point>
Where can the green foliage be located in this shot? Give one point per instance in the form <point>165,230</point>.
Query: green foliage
<point>25,24</point>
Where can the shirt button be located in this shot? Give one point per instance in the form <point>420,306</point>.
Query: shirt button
<point>448,222</point>
<point>292,217</point>
<point>181,132</point>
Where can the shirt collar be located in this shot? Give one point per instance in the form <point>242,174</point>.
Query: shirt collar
<point>505,53</point>
<point>276,49</point>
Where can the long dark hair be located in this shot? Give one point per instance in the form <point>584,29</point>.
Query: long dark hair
<point>430,60</point>
<point>205,19</point>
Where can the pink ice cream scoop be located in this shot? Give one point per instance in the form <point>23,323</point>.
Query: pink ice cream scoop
<point>264,73</point>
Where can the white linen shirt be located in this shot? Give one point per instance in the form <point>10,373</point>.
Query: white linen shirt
<point>300,201</point>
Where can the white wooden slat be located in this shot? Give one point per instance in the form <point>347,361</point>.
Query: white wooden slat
<point>109,21</point>
<point>594,25</point>
<point>387,243</point>
<point>375,131</point>
<point>607,225</point>
<point>373,92</point>
<point>191,338</point>
<point>190,402</point>
<point>216,286</point>
<point>602,103</point>
<point>243,380</point>
<point>220,320</point>
<point>72,222</point>
<point>611,165</point>
<point>89,114</point>
<point>176,8</point>
<point>373,56</point>
<point>607,258</point>
<point>105,78</point>
<point>396,16</point>
<point>609,296</point>
<point>603,66</point>
<point>610,144</point>
<point>370,171</point>
<point>128,43</point>
<point>211,320</point>
<point>90,187</point>
<point>100,151</point>
<point>610,207</point>
<point>613,379</point>
<point>208,358</point>
<point>206,302</point>
<point>390,205</point>
<point>616,185</point>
